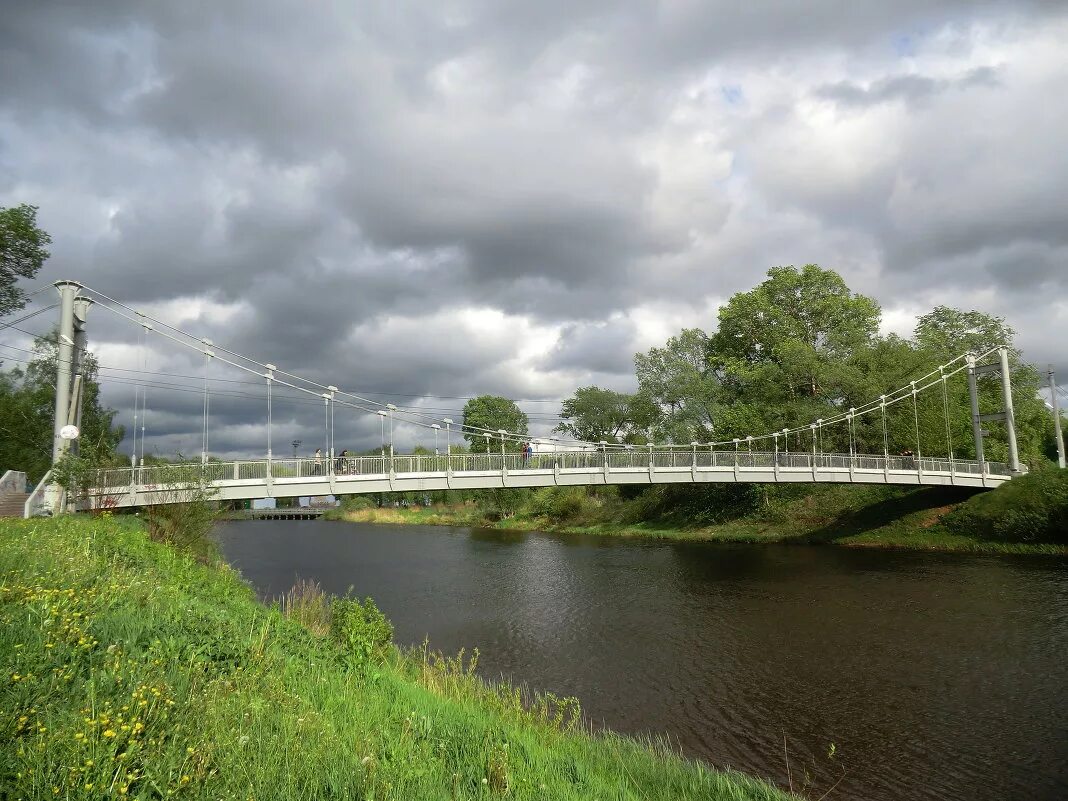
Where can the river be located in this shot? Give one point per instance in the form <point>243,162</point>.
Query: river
<point>934,676</point>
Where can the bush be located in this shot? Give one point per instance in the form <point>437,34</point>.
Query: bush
<point>362,630</point>
<point>307,604</point>
<point>355,503</point>
<point>703,504</point>
<point>559,503</point>
<point>1031,508</point>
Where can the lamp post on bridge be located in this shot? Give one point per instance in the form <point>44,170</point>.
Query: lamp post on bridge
<point>448,436</point>
<point>269,375</point>
<point>332,390</point>
<point>436,428</point>
<point>502,432</point>
<point>391,409</point>
<point>382,418</point>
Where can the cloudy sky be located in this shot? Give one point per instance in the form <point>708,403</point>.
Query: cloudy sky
<point>438,200</point>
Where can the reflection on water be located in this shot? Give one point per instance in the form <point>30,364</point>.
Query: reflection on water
<point>934,675</point>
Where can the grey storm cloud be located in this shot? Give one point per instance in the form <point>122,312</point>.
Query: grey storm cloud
<point>446,199</point>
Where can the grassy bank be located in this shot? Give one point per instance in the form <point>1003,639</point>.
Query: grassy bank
<point>130,670</point>
<point>857,516</point>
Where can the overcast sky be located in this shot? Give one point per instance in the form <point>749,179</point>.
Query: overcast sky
<point>478,196</point>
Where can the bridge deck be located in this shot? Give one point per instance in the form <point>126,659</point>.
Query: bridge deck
<point>285,478</point>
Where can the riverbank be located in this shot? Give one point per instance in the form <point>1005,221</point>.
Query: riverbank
<point>131,670</point>
<point>857,516</point>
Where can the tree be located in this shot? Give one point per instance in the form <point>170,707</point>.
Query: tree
<point>22,252</point>
<point>801,322</point>
<point>27,407</point>
<point>951,332</point>
<point>681,382</point>
<point>493,413</point>
<point>593,414</point>
<point>946,333</point>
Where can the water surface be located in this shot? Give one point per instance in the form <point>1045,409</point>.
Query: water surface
<point>935,676</point>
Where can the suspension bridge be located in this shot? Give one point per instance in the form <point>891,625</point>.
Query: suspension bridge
<point>835,449</point>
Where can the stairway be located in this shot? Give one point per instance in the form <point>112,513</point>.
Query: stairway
<point>12,503</point>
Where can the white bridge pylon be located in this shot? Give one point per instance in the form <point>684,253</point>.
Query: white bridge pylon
<point>763,458</point>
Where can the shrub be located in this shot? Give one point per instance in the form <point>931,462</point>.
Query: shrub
<point>307,604</point>
<point>355,503</point>
<point>1030,508</point>
<point>362,630</point>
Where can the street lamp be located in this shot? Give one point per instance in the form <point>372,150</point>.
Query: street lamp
<point>448,439</point>
<point>502,432</point>
<point>269,375</point>
<point>392,409</point>
<point>436,428</point>
<point>382,418</point>
<point>332,389</point>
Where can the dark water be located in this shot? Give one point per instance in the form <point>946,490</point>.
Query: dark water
<point>935,676</point>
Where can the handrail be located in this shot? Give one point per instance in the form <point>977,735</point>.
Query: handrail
<point>349,467</point>
<point>34,503</point>
<point>13,481</point>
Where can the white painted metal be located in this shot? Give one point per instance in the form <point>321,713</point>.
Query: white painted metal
<point>239,480</point>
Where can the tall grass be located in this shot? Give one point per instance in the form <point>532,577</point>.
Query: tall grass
<point>128,669</point>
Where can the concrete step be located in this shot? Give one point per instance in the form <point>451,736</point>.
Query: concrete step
<point>12,503</point>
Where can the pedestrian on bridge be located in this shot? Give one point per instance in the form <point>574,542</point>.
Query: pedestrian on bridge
<point>318,470</point>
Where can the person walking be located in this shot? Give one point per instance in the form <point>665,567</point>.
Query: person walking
<point>318,469</point>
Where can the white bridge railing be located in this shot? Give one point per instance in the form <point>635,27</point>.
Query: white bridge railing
<point>355,474</point>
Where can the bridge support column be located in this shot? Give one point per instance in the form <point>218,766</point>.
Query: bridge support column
<point>1010,419</point>
<point>977,426</point>
<point>1056,419</point>
<point>68,291</point>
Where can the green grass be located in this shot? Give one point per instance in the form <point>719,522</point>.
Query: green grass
<point>130,670</point>
<point>857,516</point>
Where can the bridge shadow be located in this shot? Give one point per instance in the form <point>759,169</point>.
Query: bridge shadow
<point>926,506</point>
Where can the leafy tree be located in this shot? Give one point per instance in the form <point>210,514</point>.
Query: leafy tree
<point>593,414</point>
<point>27,407</point>
<point>493,413</point>
<point>946,333</point>
<point>802,323</point>
<point>680,382</point>
<point>950,332</point>
<point>22,252</point>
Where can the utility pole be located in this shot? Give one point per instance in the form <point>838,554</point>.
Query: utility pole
<point>1056,418</point>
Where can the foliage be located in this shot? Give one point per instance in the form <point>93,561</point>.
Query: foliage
<point>681,383</point>
<point>500,503</point>
<point>308,605</point>
<point>132,671</point>
<point>22,252</point>
<point>27,409</point>
<point>184,511</point>
<point>493,413</point>
<point>594,414</point>
<point>361,629</point>
<point>801,347</point>
<point>1030,508</point>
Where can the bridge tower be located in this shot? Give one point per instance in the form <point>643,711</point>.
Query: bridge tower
<point>1005,416</point>
<point>70,360</point>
